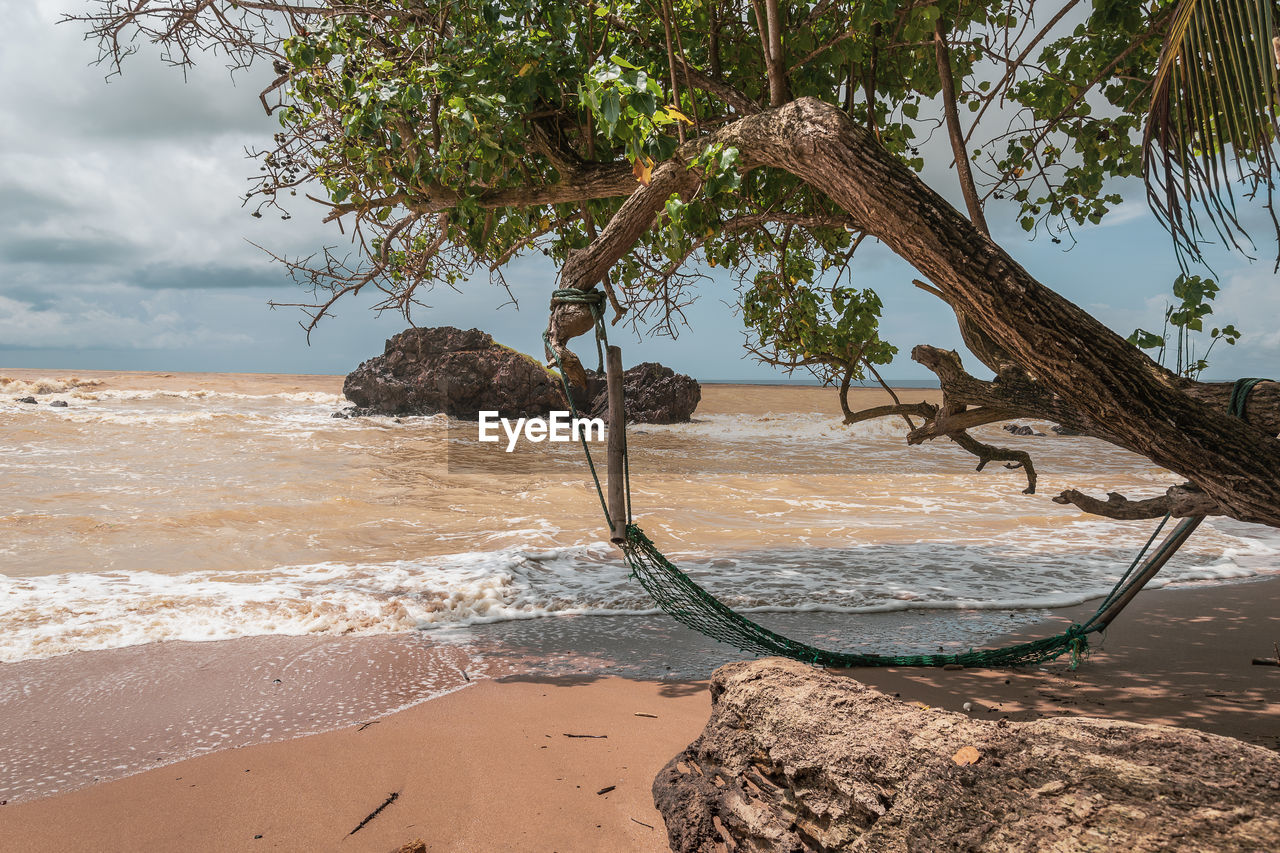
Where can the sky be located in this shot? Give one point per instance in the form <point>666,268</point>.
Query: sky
<point>124,246</point>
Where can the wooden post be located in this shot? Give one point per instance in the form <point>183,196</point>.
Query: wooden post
<point>617,446</point>
<point>1154,563</point>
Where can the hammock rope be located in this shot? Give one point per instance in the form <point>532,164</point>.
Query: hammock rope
<point>690,604</point>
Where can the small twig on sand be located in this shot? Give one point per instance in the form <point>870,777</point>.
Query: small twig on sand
<point>566,734</point>
<point>464,674</point>
<point>651,716</point>
<point>391,798</point>
<point>364,726</point>
<point>604,791</point>
<point>642,823</point>
<point>1266,661</point>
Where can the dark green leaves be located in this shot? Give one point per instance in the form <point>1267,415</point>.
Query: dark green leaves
<point>1211,133</point>
<point>1182,324</point>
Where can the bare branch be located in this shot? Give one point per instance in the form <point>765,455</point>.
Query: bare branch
<point>945,425</point>
<point>1180,501</point>
<point>923,410</point>
<point>990,453</point>
<point>958,150</point>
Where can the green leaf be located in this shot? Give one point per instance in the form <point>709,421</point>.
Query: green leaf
<point>1212,108</point>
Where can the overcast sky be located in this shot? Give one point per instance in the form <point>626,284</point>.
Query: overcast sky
<point>123,244</point>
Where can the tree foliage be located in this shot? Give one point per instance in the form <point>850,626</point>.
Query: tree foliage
<point>455,137</point>
<point>640,143</point>
<point>1184,323</point>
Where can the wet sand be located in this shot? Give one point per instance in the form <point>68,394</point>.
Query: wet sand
<point>716,399</point>
<point>490,767</point>
<point>141,380</point>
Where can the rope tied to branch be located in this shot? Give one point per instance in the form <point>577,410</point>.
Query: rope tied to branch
<point>594,300</point>
<point>1240,396</point>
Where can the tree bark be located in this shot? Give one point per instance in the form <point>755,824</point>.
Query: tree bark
<point>1178,501</point>
<point>1072,356</point>
<point>942,53</point>
<point>769,23</point>
<point>798,760</point>
<point>587,266</point>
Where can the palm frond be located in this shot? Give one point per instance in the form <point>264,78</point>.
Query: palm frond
<point>1212,127</point>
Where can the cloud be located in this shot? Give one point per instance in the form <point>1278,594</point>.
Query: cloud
<point>77,98</point>
<point>77,324</point>
<point>1250,298</point>
<point>265,276</point>
<point>1127,211</point>
<point>58,250</point>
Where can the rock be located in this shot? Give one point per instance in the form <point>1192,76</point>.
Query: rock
<point>1063,430</point>
<point>655,394</point>
<point>443,369</point>
<point>796,759</point>
<point>31,400</point>
<point>59,404</point>
<point>446,370</point>
<point>1022,429</point>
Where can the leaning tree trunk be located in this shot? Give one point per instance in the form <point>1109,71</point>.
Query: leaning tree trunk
<point>1077,360</point>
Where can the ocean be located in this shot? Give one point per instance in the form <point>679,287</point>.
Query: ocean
<point>236,508</point>
<point>196,562</point>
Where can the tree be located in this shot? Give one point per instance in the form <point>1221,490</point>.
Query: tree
<point>628,140</point>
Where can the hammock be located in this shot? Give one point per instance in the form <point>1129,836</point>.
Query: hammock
<point>688,603</point>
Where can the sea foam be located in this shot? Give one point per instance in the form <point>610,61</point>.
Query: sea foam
<point>55,614</point>
<point>259,514</point>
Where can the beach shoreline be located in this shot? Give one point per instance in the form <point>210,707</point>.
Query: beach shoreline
<point>717,397</point>
<point>287,741</point>
<point>1178,656</point>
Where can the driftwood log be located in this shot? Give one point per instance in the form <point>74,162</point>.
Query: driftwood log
<point>795,759</point>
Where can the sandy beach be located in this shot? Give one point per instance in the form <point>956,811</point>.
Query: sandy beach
<point>492,767</point>
<point>234,698</point>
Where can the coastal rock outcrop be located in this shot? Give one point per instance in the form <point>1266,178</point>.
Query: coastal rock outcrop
<point>797,759</point>
<point>655,394</point>
<point>455,372</point>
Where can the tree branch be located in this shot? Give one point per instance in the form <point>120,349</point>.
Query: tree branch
<point>990,453</point>
<point>592,181</point>
<point>923,410</point>
<point>587,266</point>
<point>963,171</point>
<point>1088,377</point>
<point>769,22</point>
<point>952,422</point>
<point>1180,502</point>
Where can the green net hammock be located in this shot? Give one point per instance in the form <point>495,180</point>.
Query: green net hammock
<point>682,598</point>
